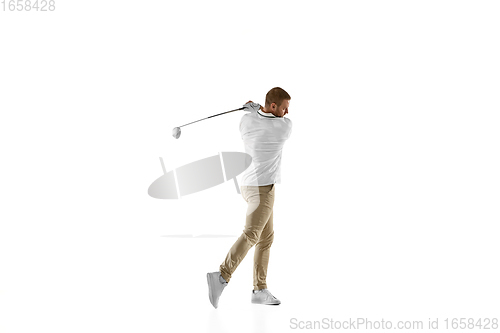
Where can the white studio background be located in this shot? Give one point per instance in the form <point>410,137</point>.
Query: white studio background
<point>388,206</point>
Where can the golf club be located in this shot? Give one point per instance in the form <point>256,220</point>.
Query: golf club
<point>176,132</point>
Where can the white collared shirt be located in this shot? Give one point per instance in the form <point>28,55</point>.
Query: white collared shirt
<point>266,114</point>
<point>263,136</point>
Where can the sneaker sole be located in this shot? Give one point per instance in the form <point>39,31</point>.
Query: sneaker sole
<point>266,303</point>
<point>210,295</point>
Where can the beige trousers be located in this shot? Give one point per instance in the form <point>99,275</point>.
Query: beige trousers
<point>258,231</point>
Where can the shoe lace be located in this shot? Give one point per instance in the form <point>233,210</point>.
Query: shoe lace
<point>269,293</point>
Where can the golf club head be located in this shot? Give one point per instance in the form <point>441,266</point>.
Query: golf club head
<point>176,132</point>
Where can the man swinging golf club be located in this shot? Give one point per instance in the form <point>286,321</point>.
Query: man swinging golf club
<point>264,131</point>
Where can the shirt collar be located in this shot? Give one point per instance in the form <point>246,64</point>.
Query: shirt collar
<point>267,115</point>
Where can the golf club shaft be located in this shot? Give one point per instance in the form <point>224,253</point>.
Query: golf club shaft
<point>213,116</point>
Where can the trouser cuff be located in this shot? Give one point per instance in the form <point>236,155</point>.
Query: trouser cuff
<point>225,276</point>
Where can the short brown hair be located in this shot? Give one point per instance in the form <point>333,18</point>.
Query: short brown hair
<point>276,95</point>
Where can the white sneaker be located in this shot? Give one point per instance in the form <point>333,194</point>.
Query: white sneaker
<point>215,287</point>
<point>264,296</point>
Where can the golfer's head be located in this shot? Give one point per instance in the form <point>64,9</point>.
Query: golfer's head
<point>277,102</point>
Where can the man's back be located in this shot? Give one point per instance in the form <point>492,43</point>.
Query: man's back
<point>264,136</point>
